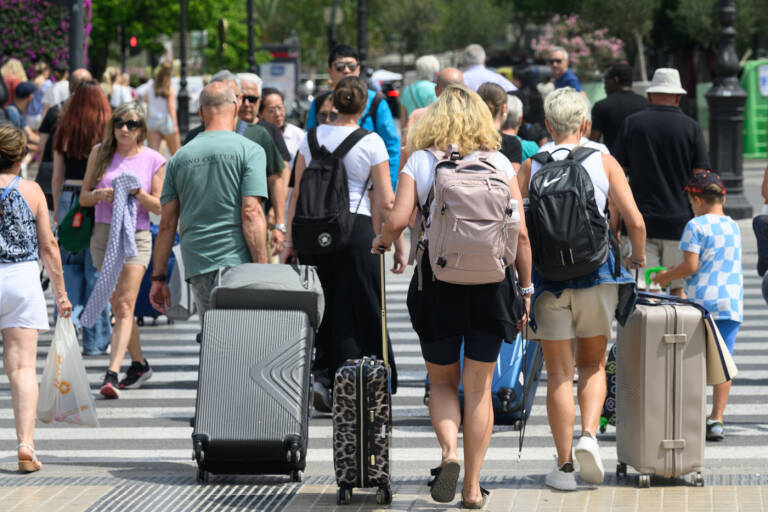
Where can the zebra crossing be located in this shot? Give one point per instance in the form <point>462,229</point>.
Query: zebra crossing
<point>151,425</point>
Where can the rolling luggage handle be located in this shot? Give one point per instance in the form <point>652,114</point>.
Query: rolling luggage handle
<point>383,272</point>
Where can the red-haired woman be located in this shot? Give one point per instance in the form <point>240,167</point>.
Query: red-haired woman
<point>80,127</point>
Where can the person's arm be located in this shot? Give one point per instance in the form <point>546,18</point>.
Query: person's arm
<point>41,146</point>
<point>400,215</point>
<point>523,177</point>
<point>620,195</point>
<point>688,267</point>
<point>765,185</point>
<point>254,228</point>
<point>385,127</point>
<point>289,254</point>
<point>49,250</point>
<point>403,121</point>
<point>172,109</point>
<point>277,192</point>
<point>57,180</point>
<point>159,293</point>
<point>151,200</point>
<point>89,195</point>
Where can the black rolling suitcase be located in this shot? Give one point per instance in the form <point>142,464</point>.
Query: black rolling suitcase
<point>362,421</point>
<point>253,399</point>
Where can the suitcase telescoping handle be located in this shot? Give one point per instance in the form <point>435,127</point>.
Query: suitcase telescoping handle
<point>385,348</point>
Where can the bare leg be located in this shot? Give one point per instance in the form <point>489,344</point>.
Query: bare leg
<point>444,408</point>
<point>123,303</point>
<point>19,354</point>
<point>592,387</point>
<point>558,357</point>
<point>154,139</point>
<point>173,141</point>
<point>134,345</point>
<point>478,423</point>
<point>719,400</point>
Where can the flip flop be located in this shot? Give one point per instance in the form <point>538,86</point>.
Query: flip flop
<point>27,465</point>
<point>446,477</point>
<point>475,505</point>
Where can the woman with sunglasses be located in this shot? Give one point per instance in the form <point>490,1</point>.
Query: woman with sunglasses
<point>25,235</point>
<point>122,151</point>
<point>79,129</point>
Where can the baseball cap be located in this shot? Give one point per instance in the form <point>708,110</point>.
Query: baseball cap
<point>621,71</point>
<point>24,89</point>
<point>702,184</point>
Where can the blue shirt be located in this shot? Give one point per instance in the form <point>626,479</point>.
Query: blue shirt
<point>718,283</point>
<point>530,148</point>
<point>418,95</point>
<point>385,127</point>
<point>16,116</point>
<point>568,79</point>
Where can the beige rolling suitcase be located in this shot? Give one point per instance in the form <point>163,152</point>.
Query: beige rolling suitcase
<point>661,391</point>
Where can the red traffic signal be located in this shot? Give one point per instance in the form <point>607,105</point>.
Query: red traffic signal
<point>133,42</point>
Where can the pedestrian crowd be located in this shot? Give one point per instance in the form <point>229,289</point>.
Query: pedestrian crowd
<point>235,189</point>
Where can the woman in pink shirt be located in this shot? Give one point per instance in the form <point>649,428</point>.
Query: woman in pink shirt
<point>123,150</point>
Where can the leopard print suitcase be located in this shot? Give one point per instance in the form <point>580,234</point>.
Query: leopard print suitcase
<point>362,426</point>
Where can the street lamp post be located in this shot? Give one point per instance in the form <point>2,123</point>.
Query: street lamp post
<point>76,34</point>
<point>362,30</point>
<point>726,113</point>
<point>182,111</point>
<point>251,42</point>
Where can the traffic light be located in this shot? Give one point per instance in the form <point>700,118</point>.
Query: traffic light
<point>133,46</point>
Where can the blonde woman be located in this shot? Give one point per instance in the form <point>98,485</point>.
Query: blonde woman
<point>25,235</point>
<point>443,314</point>
<point>121,151</point>
<point>162,123</point>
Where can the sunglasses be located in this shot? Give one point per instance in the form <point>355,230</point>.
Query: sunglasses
<point>131,125</point>
<point>250,98</point>
<point>555,61</point>
<point>327,116</point>
<point>341,66</point>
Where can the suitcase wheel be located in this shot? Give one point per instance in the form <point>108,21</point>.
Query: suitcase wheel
<point>293,454</point>
<point>295,475</point>
<point>698,480</point>
<point>621,470</point>
<point>644,481</point>
<point>203,477</point>
<point>344,496</point>
<point>384,496</point>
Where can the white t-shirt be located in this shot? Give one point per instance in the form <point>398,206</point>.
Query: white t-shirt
<point>120,94</point>
<point>292,135</point>
<point>587,143</point>
<point>57,93</point>
<point>369,151</point>
<point>421,164</point>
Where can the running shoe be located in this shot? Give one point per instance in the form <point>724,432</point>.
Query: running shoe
<point>321,398</point>
<point>562,478</point>
<point>136,375</point>
<point>587,454</point>
<point>715,430</point>
<point>109,388</point>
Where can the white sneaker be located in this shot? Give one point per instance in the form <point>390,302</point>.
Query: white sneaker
<point>562,478</point>
<point>587,454</point>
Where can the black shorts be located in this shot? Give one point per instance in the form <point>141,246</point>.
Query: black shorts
<point>478,345</point>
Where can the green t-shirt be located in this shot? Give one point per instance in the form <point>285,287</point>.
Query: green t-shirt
<point>209,176</point>
<point>530,148</point>
<point>260,135</point>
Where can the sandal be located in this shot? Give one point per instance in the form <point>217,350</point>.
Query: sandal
<point>443,485</point>
<point>29,465</point>
<point>475,504</point>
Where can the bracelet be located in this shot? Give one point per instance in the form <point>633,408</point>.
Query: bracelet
<point>528,290</point>
<point>287,244</point>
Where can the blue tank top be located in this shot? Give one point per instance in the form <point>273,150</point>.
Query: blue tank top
<point>18,227</point>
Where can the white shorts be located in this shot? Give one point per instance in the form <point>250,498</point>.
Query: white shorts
<point>22,303</point>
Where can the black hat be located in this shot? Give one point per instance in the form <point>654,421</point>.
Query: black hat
<point>621,71</point>
<point>24,89</point>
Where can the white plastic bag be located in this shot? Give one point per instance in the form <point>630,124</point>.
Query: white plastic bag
<point>65,394</point>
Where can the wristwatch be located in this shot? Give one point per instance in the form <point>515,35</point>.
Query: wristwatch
<point>280,227</point>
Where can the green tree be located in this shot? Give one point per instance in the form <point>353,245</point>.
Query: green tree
<point>697,21</point>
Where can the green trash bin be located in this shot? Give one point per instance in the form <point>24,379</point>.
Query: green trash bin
<point>754,80</point>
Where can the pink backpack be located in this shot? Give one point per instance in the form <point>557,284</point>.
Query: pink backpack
<point>472,232</point>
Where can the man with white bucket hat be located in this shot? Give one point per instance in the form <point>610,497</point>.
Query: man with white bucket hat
<point>661,149</point>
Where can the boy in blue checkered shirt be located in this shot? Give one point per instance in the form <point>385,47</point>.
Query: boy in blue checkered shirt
<point>711,243</point>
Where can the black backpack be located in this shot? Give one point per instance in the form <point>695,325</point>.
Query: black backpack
<point>322,222</point>
<point>569,236</point>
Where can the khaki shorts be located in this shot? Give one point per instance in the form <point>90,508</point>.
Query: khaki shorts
<point>580,313</point>
<point>100,237</point>
<point>658,252</point>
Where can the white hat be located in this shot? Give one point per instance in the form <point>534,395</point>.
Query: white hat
<point>666,81</point>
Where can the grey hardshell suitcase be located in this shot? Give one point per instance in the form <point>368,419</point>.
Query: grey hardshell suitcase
<point>252,410</point>
<point>661,391</point>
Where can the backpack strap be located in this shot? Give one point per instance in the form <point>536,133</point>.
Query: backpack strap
<point>11,186</point>
<point>581,153</point>
<point>543,157</point>
<point>373,110</point>
<point>314,146</point>
<point>348,143</point>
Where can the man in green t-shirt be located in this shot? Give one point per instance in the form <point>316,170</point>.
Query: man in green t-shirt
<point>214,187</point>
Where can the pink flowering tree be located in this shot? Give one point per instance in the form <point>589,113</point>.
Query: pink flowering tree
<point>591,50</point>
<point>37,30</point>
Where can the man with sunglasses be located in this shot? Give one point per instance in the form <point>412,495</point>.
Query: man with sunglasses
<point>377,117</point>
<point>564,77</point>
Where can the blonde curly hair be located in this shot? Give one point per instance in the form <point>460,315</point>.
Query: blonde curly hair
<point>459,116</point>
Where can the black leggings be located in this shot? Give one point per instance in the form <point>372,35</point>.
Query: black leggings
<point>478,345</point>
